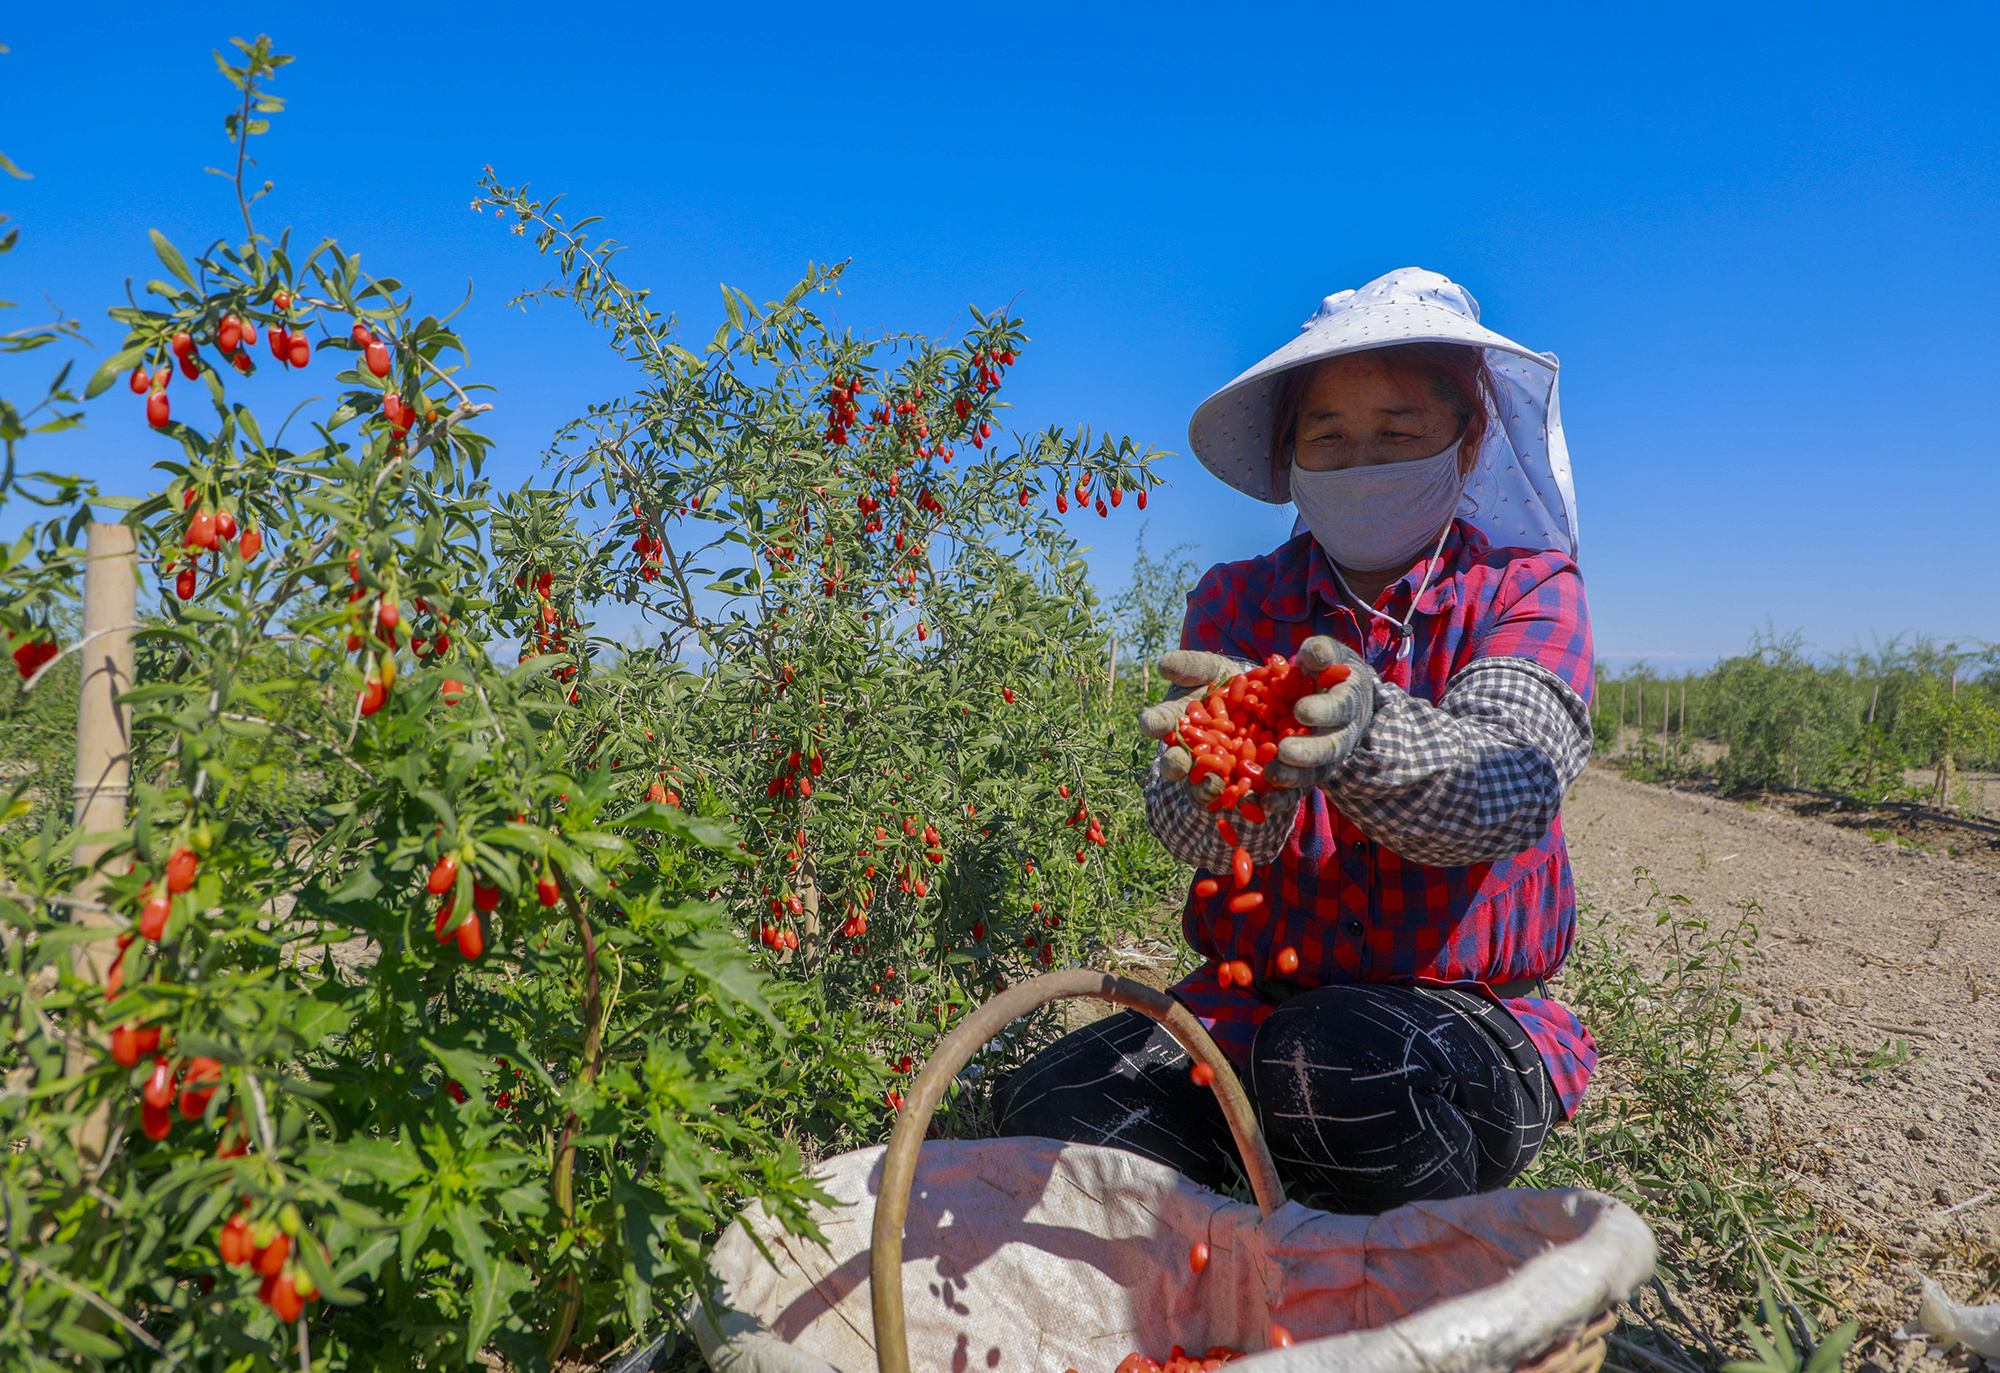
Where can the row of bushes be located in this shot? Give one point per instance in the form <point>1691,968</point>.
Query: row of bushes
<point>1853,722</point>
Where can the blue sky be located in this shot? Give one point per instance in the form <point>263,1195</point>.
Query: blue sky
<point>1761,238</point>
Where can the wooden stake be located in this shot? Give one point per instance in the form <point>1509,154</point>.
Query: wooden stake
<point>1111,679</point>
<point>103,781</point>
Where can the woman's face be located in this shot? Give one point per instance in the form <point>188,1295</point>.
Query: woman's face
<point>1357,414</point>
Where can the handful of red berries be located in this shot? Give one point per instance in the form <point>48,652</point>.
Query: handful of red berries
<point>1234,732</point>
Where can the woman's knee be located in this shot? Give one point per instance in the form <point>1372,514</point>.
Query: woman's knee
<point>1353,1102</point>
<point>1121,1082</point>
<point>1071,1078</point>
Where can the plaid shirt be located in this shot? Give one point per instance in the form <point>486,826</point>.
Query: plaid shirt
<point>1354,909</point>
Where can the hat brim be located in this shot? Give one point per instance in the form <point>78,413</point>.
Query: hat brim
<point>1231,430</point>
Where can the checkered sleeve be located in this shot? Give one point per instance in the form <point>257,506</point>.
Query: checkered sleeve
<point>1474,779</point>
<point>1188,831</point>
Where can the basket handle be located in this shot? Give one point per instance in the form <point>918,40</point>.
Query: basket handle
<point>899,1163</point>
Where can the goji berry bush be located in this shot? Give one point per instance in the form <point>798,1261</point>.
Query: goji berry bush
<point>466,970</point>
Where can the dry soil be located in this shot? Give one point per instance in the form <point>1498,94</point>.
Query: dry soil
<point>1867,943</point>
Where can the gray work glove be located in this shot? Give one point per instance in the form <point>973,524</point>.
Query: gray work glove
<point>1338,716</point>
<point>1192,673</point>
<point>1183,821</point>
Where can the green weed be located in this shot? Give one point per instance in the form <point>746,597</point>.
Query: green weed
<point>1662,1130</point>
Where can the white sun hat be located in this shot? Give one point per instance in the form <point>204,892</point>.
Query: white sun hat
<point>1519,495</point>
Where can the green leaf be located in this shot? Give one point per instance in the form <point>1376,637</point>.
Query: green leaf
<point>322,1274</point>
<point>1833,1348</point>
<point>466,1067</point>
<point>393,1163</point>
<point>644,1223</point>
<point>171,256</point>
<point>657,815</point>
<point>86,1342</point>
<point>493,1282</point>
<point>113,365</point>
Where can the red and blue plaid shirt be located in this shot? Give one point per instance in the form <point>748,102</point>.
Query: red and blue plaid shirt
<point>1354,910</point>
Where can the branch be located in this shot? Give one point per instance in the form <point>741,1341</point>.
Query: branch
<point>562,1183</point>
<point>132,1327</point>
<point>243,147</point>
<point>29,685</point>
<point>298,734</point>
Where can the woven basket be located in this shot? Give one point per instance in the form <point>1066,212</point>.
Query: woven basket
<point>1032,1256</point>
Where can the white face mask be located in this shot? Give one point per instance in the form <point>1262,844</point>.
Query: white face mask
<point>1373,518</point>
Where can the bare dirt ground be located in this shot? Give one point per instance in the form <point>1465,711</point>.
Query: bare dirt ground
<point>1867,942</point>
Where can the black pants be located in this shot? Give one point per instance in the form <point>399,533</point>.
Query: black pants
<point>1369,1096</point>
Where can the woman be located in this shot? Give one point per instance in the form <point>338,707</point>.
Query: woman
<point>1412,856</point>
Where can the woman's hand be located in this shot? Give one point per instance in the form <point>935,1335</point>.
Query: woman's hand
<point>1192,672</point>
<point>1180,815</point>
<point>1337,715</point>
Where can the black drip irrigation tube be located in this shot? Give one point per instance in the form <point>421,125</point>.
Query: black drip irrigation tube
<point>1920,812</point>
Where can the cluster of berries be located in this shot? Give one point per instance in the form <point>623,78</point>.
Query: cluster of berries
<point>265,1248</point>
<point>1179,1360</point>
<point>841,411</point>
<point>470,933</point>
<point>552,629</point>
<point>182,867</point>
<point>1082,815</point>
<point>207,532</point>
<point>795,773</point>
<point>437,642</point>
<point>234,336</point>
<point>378,619</point>
<point>777,937</point>
<point>231,334</point>
<point>30,654</point>
<point>1236,730</point>
<point>648,546</point>
<point>1031,940</point>
<point>195,1086</point>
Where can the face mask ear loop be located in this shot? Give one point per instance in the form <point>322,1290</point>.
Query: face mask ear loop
<point>1401,628</point>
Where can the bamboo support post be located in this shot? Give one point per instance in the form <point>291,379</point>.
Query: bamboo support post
<point>103,782</point>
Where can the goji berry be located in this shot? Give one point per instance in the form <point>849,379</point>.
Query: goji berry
<point>197,1087</point>
<point>181,868</point>
<point>153,915</point>
<point>159,1088</point>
